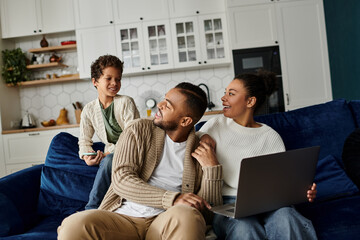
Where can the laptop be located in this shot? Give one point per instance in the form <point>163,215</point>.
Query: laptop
<point>272,181</point>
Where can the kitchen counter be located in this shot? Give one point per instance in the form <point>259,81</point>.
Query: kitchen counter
<point>37,129</point>
<point>213,112</point>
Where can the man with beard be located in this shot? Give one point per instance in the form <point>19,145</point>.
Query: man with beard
<point>161,186</point>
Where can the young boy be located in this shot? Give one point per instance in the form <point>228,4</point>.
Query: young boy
<point>107,116</point>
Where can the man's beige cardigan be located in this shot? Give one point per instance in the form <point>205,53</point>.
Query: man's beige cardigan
<point>138,151</point>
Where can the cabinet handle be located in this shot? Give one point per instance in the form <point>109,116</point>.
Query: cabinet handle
<point>205,62</point>
<point>149,68</point>
<point>276,42</point>
<point>34,31</point>
<point>141,18</point>
<point>111,22</point>
<point>34,134</point>
<point>199,62</point>
<point>39,30</point>
<point>143,68</point>
<point>197,12</point>
<point>287,99</point>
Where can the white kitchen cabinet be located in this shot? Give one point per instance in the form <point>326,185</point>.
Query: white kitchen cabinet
<point>92,43</point>
<point>31,17</point>
<point>303,53</point>
<point>252,26</point>
<point>200,40</point>
<point>18,18</point>
<point>133,11</point>
<point>93,13</point>
<point>186,8</point>
<point>57,16</point>
<point>298,27</point>
<point>145,46</point>
<point>26,149</point>
<point>23,150</point>
<point>235,3</point>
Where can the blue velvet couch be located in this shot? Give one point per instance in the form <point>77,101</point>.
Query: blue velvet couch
<point>34,201</point>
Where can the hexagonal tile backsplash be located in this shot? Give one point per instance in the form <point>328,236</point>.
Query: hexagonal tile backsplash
<point>44,102</point>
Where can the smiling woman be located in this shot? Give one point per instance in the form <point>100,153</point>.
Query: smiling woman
<point>238,134</point>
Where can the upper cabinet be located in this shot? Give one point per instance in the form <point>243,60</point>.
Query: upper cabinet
<point>298,27</point>
<point>184,8</point>
<point>145,46</point>
<point>93,13</point>
<point>92,43</point>
<point>31,17</point>
<point>304,53</point>
<point>57,16</point>
<point>133,11</point>
<point>252,25</point>
<point>234,3</point>
<point>200,40</point>
<point>151,38</point>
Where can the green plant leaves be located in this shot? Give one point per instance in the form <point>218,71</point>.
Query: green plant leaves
<point>14,66</point>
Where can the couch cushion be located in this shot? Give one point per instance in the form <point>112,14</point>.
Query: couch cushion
<point>63,154</point>
<point>66,180</point>
<point>351,156</point>
<point>355,109</point>
<point>63,192</point>
<point>19,214</point>
<point>45,229</point>
<point>335,219</point>
<point>331,180</point>
<point>326,125</point>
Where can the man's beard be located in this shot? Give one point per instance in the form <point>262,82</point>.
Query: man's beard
<point>166,125</point>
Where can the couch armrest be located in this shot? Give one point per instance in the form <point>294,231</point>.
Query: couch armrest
<point>19,193</point>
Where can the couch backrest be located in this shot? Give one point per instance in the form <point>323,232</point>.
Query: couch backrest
<point>355,110</point>
<point>326,125</point>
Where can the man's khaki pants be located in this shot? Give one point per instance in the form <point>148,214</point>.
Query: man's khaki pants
<point>178,222</point>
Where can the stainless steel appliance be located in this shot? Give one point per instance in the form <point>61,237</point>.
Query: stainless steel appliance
<point>268,58</point>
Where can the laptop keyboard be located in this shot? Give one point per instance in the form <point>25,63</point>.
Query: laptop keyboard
<point>231,210</point>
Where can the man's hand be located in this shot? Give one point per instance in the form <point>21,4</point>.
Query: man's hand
<point>94,159</point>
<point>311,193</point>
<point>192,200</point>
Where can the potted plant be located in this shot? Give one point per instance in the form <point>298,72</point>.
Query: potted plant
<point>14,68</point>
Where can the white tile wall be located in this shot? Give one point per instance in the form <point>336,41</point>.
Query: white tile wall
<point>45,101</point>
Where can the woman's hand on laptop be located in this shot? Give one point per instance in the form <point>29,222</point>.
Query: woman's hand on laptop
<point>311,193</point>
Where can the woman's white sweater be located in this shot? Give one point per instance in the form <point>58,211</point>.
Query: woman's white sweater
<point>235,142</point>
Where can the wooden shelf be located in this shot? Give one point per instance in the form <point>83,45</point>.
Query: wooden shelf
<point>75,77</point>
<point>53,49</point>
<point>46,65</point>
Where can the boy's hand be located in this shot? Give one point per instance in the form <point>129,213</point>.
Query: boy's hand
<point>93,160</point>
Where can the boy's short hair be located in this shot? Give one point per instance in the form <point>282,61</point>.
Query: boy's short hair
<point>103,62</point>
<point>196,99</point>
